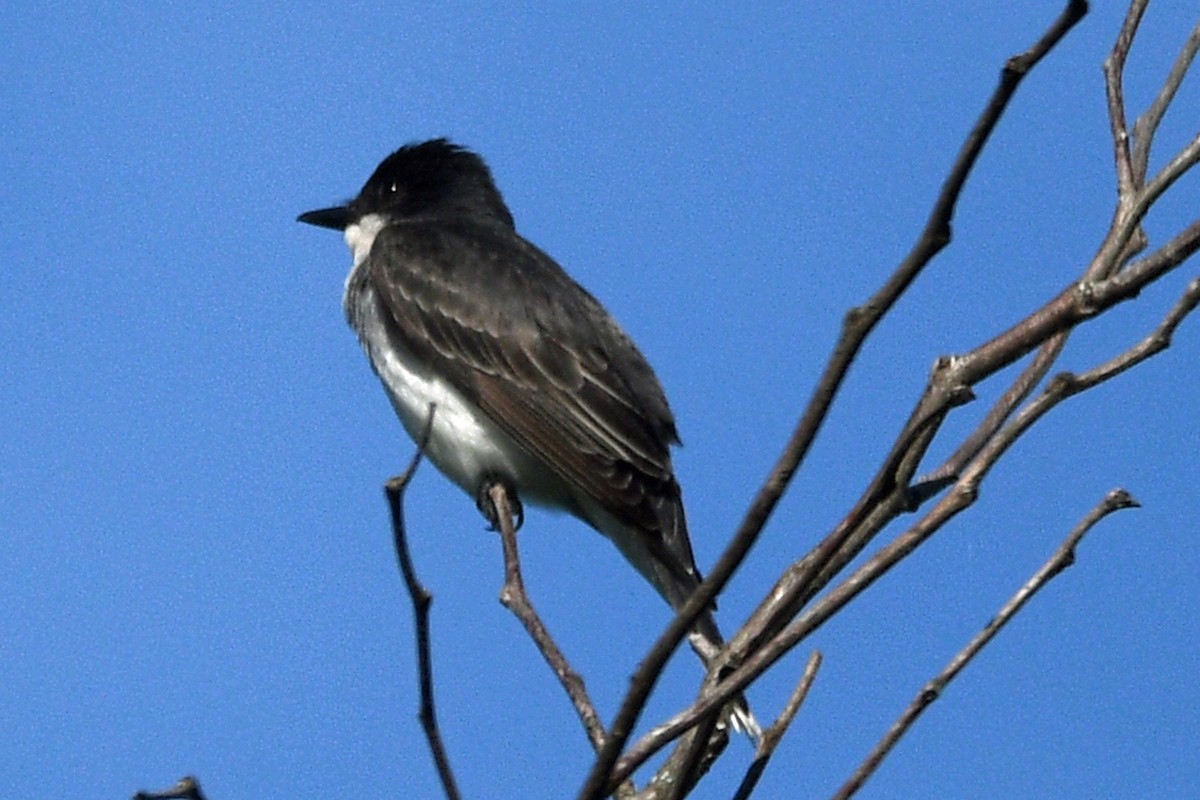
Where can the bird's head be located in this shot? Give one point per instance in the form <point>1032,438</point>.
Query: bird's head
<point>436,178</point>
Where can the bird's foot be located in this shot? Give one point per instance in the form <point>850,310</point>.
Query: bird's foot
<point>483,501</point>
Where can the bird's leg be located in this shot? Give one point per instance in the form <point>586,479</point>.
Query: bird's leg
<point>483,501</point>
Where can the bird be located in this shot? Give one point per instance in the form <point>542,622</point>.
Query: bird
<point>529,380</point>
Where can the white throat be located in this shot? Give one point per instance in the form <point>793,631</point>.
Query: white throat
<point>361,235</point>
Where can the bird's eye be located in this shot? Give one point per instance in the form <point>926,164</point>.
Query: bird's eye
<point>393,188</point>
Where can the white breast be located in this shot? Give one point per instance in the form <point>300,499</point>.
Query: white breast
<point>464,443</point>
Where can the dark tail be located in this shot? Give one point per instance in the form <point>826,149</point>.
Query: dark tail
<point>676,577</point>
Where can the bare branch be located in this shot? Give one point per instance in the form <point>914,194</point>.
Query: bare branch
<point>1063,557</point>
<point>1131,179</point>
<point>963,495</point>
<point>1100,288</point>
<point>1149,269</point>
<point>1067,385</point>
<point>1062,387</point>
<point>799,585</point>
<point>1122,287</point>
<point>1147,124</point>
<point>1184,160</point>
<point>1114,83</point>
<point>1157,341</point>
<point>858,324</point>
<point>1135,197</point>
<point>1016,393</point>
<point>1075,304</point>
<point>514,597</point>
<point>421,600</point>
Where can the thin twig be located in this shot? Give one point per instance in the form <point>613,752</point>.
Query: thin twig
<point>1063,557</point>
<point>421,600</point>
<point>1125,237</point>
<point>1147,124</point>
<point>773,735</point>
<point>1148,269</point>
<point>1114,72</point>
<point>1015,69</point>
<point>1174,169</point>
<point>1135,196</point>
<point>1158,340</point>
<point>188,788</point>
<point>514,597</point>
<point>1077,303</point>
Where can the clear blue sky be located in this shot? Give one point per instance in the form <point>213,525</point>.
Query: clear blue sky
<point>196,566</point>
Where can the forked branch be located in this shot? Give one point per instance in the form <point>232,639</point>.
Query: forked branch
<point>1062,558</point>
<point>957,500</point>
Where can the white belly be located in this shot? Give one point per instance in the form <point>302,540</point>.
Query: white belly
<point>464,443</point>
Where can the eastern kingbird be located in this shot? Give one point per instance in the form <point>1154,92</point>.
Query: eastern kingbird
<point>534,383</point>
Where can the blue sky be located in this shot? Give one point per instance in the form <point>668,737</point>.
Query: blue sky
<point>196,567</point>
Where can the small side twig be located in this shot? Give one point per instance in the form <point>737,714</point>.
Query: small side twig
<point>773,735</point>
<point>1147,124</point>
<point>421,600</point>
<point>188,788</point>
<point>1114,84</point>
<point>1063,557</point>
<point>514,597</point>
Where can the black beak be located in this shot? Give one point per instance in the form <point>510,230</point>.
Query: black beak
<point>337,217</point>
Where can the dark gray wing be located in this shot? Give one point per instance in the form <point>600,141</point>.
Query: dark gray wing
<point>503,322</point>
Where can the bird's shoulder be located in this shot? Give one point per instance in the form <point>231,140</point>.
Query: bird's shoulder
<point>479,263</point>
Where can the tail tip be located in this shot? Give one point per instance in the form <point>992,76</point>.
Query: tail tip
<point>742,720</point>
